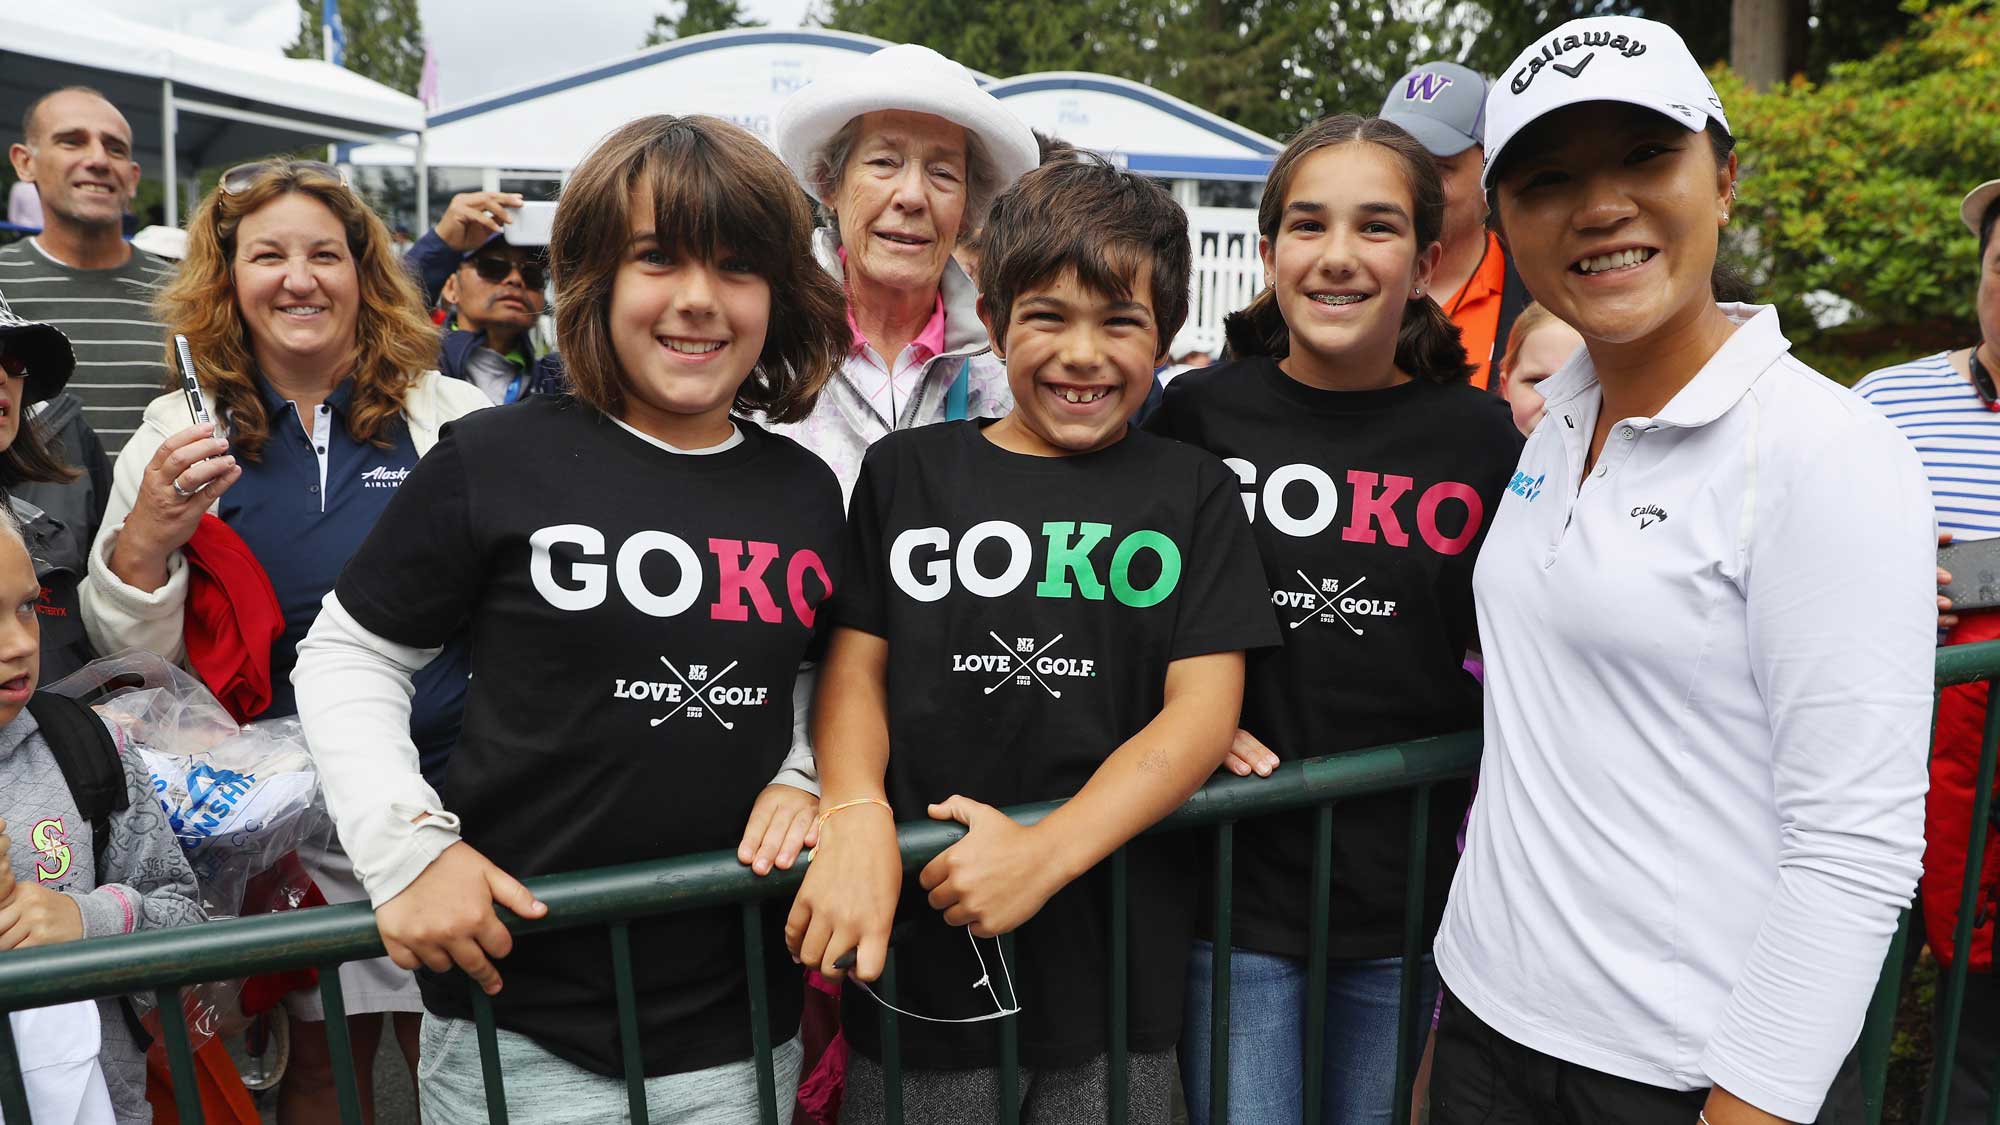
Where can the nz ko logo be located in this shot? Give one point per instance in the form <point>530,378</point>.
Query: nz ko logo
<point>695,694</point>
<point>1025,662</point>
<point>1331,603</point>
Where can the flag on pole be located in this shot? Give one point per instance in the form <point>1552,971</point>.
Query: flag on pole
<point>335,35</point>
<point>427,84</point>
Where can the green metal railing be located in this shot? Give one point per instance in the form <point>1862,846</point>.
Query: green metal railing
<point>162,962</point>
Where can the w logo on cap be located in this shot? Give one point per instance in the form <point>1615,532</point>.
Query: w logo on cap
<point>1425,86</point>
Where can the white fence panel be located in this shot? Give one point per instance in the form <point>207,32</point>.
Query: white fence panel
<point>1227,271</point>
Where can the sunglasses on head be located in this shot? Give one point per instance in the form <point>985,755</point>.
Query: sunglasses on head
<point>242,177</point>
<point>494,269</point>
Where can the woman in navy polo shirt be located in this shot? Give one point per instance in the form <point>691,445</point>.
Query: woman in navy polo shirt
<point>314,351</point>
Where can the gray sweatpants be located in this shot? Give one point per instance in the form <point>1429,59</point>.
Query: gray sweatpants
<point>550,1091</point>
<point>1049,1096</point>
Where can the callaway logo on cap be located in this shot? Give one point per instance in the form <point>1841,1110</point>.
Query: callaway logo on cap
<point>1601,59</point>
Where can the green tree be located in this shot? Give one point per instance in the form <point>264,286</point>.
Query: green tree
<point>698,17</point>
<point>385,39</point>
<point>1851,186</point>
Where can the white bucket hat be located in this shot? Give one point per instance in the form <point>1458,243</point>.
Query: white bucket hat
<point>1601,59</point>
<point>909,77</point>
<point>1976,202</point>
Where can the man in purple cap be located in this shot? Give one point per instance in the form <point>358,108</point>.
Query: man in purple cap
<point>1443,105</point>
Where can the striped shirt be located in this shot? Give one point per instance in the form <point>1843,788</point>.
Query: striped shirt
<point>1957,437</point>
<point>108,317</point>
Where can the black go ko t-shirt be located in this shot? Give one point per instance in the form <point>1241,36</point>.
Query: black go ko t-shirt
<point>1032,606</point>
<point>1369,508</point>
<point>636,619</point>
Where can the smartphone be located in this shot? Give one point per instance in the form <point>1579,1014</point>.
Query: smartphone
<point>191,386</point>
<point>1975,573</point>
<point>532,225</point>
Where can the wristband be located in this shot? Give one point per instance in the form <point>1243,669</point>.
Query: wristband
<point>819,823</point>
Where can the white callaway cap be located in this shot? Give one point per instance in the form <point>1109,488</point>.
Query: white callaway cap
<point>1601,59</point>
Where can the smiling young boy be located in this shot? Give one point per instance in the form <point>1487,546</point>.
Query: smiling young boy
<point>1050,605</point>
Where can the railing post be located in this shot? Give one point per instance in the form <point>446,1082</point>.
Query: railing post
<point>892,1045</point>
<point>1010,1047</point>
<point>1413,936</point>
<point>1322,904</point>
<point>13,1090</point>
<point>339,1045</point>
<point>489,1055</point>
<point>1880,1027</point>
<point>628,1021</point>
<point>1120,1054</point>
<point>1975,856</point>
<point>1218,1024</point>
<point>760,1011</point>
<point>180,1056</point>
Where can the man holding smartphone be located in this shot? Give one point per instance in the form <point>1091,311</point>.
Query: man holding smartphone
<point>494,287</point>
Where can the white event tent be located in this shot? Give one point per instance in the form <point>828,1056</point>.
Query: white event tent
<point>194,103</point>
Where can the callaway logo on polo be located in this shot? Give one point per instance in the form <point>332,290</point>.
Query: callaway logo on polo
<point>1648,515</point>
<point>1552,52</point>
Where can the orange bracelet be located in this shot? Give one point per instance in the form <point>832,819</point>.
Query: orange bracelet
<point>819,824</point>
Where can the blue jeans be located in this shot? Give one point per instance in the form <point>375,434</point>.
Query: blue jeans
<point>1267,1035</point>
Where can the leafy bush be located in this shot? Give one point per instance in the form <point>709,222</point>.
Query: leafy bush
<point>1852,185</point>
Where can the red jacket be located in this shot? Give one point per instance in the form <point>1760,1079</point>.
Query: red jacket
<point>232,618</point>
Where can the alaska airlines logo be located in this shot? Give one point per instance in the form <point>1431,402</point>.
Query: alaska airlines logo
<point>1425,86</point>
<point>709,700</point>
<point>1024,662</point>
<point>382,476</point>
<point>1556,48</point>
<point>1527,487</point>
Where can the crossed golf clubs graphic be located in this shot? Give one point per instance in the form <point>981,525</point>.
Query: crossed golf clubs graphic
<point>1326,602</point>
<point>693,695</point>
<point>1027,666</point>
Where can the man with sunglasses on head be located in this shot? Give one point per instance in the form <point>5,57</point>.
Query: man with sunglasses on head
<point>495,292</point>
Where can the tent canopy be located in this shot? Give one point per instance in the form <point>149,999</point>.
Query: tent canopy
<point>1151,132</point>
<point>218,104</point>
<point>551,125</point>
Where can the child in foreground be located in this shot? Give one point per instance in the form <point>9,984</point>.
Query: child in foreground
<point>640,568</point>
<point>1048,605</point>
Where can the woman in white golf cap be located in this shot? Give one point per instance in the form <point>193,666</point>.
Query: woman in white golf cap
<point>1707,606</point>
<point>906,151</point>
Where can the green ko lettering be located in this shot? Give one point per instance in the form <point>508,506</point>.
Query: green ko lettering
<point>1073,557</point>
<point>1121,569</point>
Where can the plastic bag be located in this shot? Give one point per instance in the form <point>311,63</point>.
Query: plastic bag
<point>241,799</point>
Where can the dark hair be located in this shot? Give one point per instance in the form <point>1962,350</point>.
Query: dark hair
<point>715,190</point>
<point>1427,345</point>
<point>34,109</point>
<point>1986,224</point>
<point>1100,221</point>
<point>32,458</point>
<point>1052,148</point>
<point>1724,280</point>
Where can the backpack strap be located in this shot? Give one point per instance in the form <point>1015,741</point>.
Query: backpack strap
<point>88,756</point>
<point>1514,297</point>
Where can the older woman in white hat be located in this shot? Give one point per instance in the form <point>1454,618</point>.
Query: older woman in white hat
<point>906,151</point>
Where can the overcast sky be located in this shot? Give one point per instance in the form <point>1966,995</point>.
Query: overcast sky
<point>481,45</point>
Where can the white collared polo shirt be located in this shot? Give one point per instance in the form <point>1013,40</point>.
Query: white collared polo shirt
<point>1707,709</point>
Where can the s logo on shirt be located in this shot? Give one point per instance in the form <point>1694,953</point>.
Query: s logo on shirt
<point>52,841</point>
